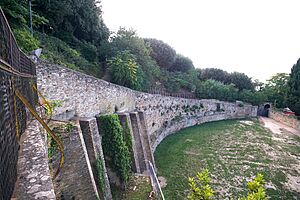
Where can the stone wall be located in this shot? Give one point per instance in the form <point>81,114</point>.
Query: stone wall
<point>285,119</point>
<point>84,95</point>
<point>166,115</point>
<point>34,181</point>
<point>80,94</point>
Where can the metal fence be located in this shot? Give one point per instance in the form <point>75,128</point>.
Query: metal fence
<point>154,181</point>
<point>162,92</point>
<point>17,72</point>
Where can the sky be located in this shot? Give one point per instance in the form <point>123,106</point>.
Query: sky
<point>256,37</point>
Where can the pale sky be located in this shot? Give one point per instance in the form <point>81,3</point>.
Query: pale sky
<point>256,37</point>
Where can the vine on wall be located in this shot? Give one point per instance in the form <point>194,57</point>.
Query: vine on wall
<point>114,146</point>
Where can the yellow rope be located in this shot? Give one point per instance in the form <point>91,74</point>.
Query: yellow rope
<point>60,146</point>
<point>49,106</point>
<point>15,110</point>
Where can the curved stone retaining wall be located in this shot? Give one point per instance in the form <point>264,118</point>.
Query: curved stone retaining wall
<point>86,96</point>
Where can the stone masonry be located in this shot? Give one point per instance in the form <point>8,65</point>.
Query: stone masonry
<point>84,96</point>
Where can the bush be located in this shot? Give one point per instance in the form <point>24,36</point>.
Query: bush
<point>59,52</point>
<point>125,71</point>
<point>162,53</point>
<point>114,146</point>
<point>182,64</point>
<point>25,40</point>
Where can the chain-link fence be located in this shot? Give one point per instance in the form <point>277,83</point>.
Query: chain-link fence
<point>17,72</point>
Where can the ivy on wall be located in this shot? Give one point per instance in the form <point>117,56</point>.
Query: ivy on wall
<point>114,146</point>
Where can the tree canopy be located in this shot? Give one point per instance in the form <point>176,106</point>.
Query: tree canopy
<point>161,52</point>
<point>293,97</point>
<point>182,64</point>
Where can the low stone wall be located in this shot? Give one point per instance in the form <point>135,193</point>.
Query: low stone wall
<point>34,181</point>
<point>285,119</point>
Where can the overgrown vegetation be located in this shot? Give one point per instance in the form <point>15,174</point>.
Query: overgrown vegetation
<point>114,146</point>
<point>100,174</point>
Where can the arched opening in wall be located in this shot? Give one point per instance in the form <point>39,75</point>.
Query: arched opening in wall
<point>263,110</point>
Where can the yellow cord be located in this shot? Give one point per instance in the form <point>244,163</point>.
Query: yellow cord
<point>58,142</point>
<point>15,109</point>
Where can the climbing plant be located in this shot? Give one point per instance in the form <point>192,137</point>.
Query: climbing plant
<point>100,174</point>
<point>114,146</point>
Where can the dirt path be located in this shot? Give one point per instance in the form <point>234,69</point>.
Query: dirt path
<point>277,127</point>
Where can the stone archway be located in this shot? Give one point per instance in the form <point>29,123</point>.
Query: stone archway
<point>264,109</point>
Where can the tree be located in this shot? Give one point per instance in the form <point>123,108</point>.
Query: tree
<point>76,18</point>
<point>241,81</point>
<point>213,73</point>
<point>212,89</point>
<point>276,89</point>
<point>293,97</point>
<point>182,64</point>
<point>128,40</point>
<point>125,71</point>
<point>161,52</point>
<point>17,13</point>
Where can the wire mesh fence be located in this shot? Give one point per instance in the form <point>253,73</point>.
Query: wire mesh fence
<point>17,72</point>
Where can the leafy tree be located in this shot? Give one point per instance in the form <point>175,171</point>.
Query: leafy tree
<point>17,13</point>
<point>241,81</point>
<point>182,64</point>
<point>276,89</point>
<point>212,89</point>
<point>162,53</point>
<point>213,73</point>
<point>128,40</point>
<point>293,97</point>
<point>253,97</point>
<point>125,71</point>
<point>77,18</point>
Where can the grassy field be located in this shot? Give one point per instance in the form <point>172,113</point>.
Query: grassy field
<point>234,151</point>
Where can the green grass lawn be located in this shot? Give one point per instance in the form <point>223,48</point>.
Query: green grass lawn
<point>234,151</point>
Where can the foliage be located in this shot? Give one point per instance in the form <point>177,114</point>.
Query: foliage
<point>161,52</point>
<point>100,174</point>
<point>256,190</point>
<point>114,146</point>
<point>17,13</point>
<point>253,97</point>
<point>200,186</point>
<point>211,89</point>
<point>293,97</point>
<point>59,52</point>
<point>79,19</point>
<point>174,81</point>
<point>128,40</point>
<point>127,137</point>
<point>125,71</point>
<point>241,81</point>
<point>213,73</point>
<point>276,89</point>
<point>182,64</point>
<point>25,40</point>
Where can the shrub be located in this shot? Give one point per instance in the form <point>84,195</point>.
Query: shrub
<point>25,40</point>
<point>200,186</point>
<point>125,71</point>
<point>114,146</point>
